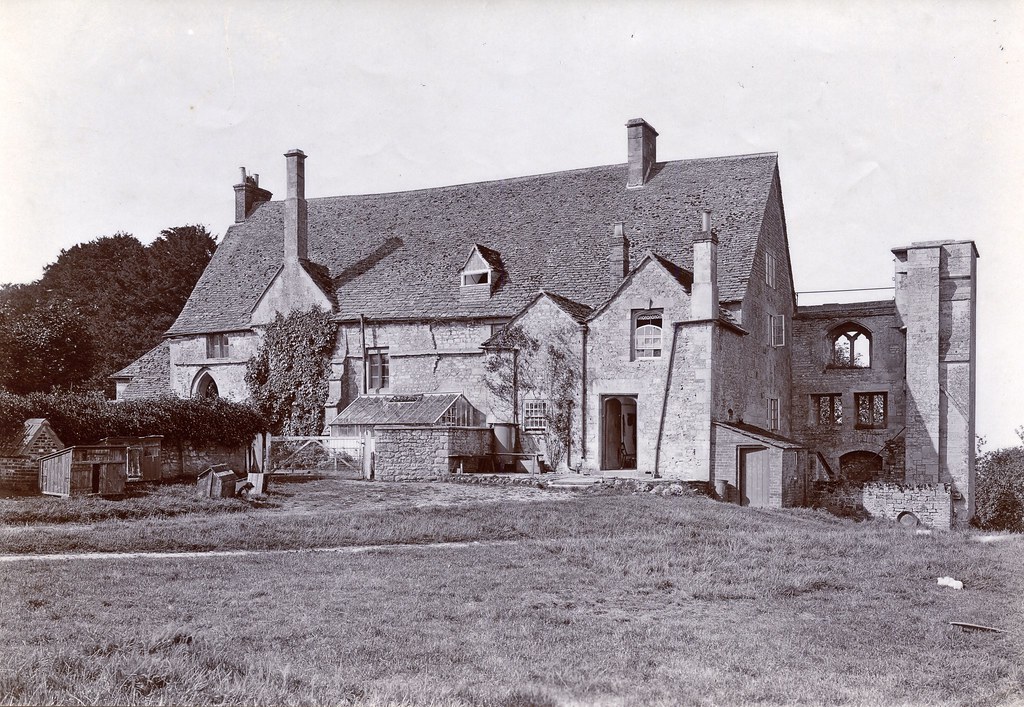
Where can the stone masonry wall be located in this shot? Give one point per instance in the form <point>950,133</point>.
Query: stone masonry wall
<point>813,375</point>
<point>611,370</point>
<point>188,359</point>
<point>188,461</point>
<point>422,453</point>
<point>932,504</point>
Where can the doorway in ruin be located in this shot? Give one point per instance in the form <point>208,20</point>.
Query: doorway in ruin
<point>860,467</point>
<point>618,432</point>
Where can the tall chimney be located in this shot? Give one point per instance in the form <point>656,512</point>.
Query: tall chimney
<point>641,143</point>
<point>296,232</point>
<point>248,196</point>
<point>704,294</point>
<point>618,255</point>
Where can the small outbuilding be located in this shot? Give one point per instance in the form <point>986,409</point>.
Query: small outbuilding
<point>144,456</point>
<point>19,462</point>
<point>84,470</point>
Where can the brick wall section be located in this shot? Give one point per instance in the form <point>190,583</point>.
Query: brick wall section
<point>812,375</point>
<point>931,503</point>
<point>423,453</point>
<point>19,475</point>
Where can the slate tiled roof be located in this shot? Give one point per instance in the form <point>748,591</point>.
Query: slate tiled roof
<point>150,374</point>
<point>422,409</point>
<point>398,255</point>
<point>579,312</point>
<point>761,434</point>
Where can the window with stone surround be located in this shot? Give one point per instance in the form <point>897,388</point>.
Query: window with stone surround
<point>827,409</point>
<point>777,329</point>
<point>218,346</point>
<point>535,417</point>
<point>872,410</point>
<point>773,414</point>
<point>851,347</point>
<point>769,270</point>
<point>378,370</point>
<point>647,330</point>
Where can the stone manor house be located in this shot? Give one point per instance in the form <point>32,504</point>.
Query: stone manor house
<point>650,304</point>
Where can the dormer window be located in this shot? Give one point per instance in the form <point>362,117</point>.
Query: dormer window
<point>480,274</point>
<point>480,277</point>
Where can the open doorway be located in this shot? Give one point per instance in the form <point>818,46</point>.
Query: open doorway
<point>618,432</point>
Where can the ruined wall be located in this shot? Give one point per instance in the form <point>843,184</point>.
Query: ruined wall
<point>931,504</point>
<point>936,299</point>
<point>610,370</point>
<point>189,359</point>
<point>814,374</point>
<point>406,453</point>
<point>189,461</point>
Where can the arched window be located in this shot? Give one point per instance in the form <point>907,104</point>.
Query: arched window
<point>647,334</point>
<point>205,387</point>
<point>851,347</point>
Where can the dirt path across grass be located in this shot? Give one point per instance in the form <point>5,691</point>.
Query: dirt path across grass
<point>345,549</point>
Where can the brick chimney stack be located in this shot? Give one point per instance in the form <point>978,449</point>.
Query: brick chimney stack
<point>248,196</point>
<point>618,255</point>
<point>296,232</point>
<point>704,294</point>
<point>641,143</point>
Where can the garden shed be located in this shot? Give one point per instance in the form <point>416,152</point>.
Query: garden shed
<point>144,455</point>
<point>84,470</point>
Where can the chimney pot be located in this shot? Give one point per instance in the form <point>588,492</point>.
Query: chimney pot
<point>248,195</point>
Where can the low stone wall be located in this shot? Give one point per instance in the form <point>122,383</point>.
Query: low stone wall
<point>19,475</point>
<point>424,453</point>
<point>188,461</point>
<point>931,504</point>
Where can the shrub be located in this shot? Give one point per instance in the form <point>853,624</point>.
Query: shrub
<point>999,490</point>
<point>86,418</point>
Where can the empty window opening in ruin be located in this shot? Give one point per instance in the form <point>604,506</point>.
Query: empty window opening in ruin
<point>851,347</point>
<point>872,410</point>
<point>535,415</point>
<point>827,409</point>
<point>378,370</point>
<point>647,330</point>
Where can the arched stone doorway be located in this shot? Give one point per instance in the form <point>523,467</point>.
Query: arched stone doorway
<point>860,467</point>
<point>205,386</point>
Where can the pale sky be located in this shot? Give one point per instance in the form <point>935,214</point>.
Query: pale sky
<point>894,121</point>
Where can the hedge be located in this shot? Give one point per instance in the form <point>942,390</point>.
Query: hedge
<point>86,418</point>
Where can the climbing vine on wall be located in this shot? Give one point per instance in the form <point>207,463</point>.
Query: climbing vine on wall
<point>524,367</point>
<point>288,376</point>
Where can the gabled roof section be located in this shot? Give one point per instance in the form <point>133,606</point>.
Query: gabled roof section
<point>35,427</point>
<point>576,311</point>
<point>489,256</point>
<point>420,409</point>
<point>681,275</point>
<point>393,256</point>
<point>149,375</point>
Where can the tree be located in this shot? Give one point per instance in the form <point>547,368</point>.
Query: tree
<point>999,490</point>
<point>46,347</point>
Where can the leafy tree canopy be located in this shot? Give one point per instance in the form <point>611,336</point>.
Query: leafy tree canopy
<point>116,296</point>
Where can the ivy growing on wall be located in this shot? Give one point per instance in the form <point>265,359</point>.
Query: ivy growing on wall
<point>287,378</point>
<point>524,367</point>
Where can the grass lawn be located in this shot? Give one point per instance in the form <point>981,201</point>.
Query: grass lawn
<point>591,599</point>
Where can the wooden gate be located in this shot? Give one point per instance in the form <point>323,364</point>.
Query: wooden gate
<point>315,454</point>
